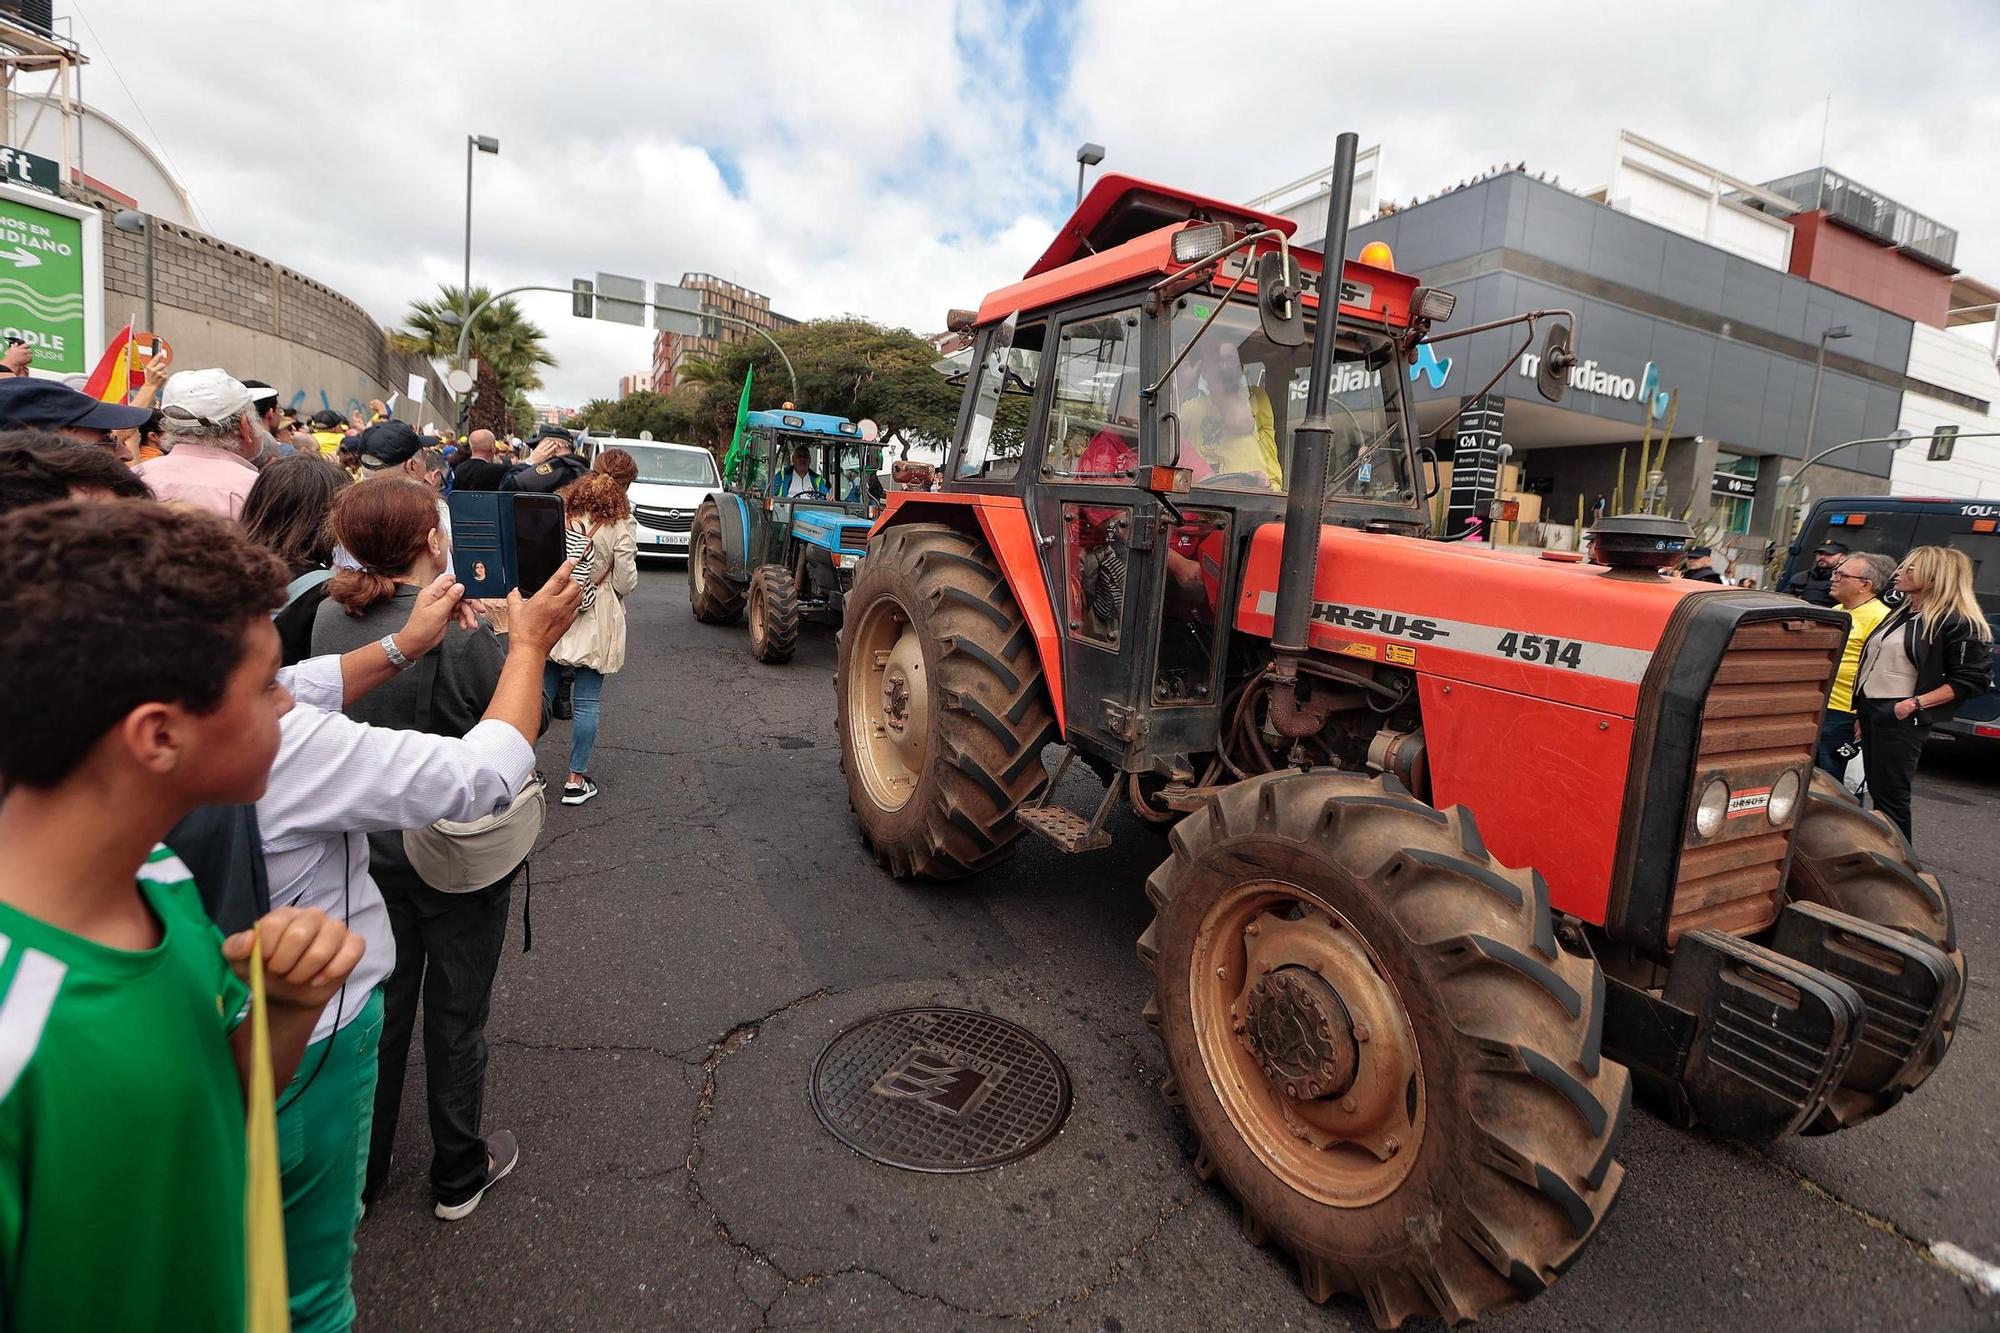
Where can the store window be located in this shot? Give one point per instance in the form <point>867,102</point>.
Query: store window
<point>1733,491</point>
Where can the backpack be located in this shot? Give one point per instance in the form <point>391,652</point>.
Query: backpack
<point>302,585</point>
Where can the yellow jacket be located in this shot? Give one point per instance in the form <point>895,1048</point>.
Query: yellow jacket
<point>1865,618</point>
<point>1202,430</point>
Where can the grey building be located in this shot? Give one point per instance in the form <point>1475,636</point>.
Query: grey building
<point>1722,345</point>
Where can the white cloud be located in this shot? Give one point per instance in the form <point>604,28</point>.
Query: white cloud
<point>896,159</point>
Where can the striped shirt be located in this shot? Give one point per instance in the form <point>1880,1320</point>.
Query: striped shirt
<point>578,547</point>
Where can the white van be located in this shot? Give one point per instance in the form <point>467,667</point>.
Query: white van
<point>673,478</point>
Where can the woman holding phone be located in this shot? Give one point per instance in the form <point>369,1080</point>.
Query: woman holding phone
<point>599,536</point>
<point>447,944</point>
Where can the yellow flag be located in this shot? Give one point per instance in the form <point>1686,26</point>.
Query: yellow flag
<point>264,1198</point>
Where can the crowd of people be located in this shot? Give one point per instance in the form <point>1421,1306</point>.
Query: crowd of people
<point>248,700</point>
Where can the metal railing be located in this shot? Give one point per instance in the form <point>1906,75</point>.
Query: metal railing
<point>1871,211</point>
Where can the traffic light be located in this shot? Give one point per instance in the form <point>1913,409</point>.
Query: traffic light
<point>583,299</point>
<point>1942,441</point>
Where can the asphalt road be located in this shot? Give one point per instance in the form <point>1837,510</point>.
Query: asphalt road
<point>710,921</point>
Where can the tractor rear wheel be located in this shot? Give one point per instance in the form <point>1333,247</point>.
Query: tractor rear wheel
<point>774,614</point>
<point>1382,1051</point>
<point>943,712</point>
<point>716,598</point>
<point>1855,861</point>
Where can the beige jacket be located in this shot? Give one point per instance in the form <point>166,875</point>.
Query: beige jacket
<point>597,639</point>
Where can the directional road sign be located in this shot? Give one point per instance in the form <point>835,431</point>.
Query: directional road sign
<point>621,300</point>
<point>676,310</point>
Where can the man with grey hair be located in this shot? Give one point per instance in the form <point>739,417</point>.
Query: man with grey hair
<point>209,417</point>
<point>1858,584</point>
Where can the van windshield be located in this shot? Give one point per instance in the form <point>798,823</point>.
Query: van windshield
<point>673,467</point>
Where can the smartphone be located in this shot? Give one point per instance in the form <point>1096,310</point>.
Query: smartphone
<point>501,540</point>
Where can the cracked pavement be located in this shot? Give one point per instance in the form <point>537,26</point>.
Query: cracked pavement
<point>710,921</point>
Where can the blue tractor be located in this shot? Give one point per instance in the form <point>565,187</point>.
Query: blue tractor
<point>782,538</point>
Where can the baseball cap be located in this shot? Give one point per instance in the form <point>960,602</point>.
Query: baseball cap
<point>261,393</point>
<point>328,419</point>
<point>387,444</point>
<point>25,401</point>
<point>203,395</point>
<point>1832,548</point>
<point>1698,553</point>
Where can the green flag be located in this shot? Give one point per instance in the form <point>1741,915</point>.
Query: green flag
<point>736,450</point>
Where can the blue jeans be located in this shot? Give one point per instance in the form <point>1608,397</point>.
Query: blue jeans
<point>584,693</point>
<point>1835,729</point>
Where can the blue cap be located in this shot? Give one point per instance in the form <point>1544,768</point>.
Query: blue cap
<point>27,401</point>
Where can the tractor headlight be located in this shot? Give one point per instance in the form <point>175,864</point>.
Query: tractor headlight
<point>1712,809</point>
<point>846,561</point>
<point>1784,797</point>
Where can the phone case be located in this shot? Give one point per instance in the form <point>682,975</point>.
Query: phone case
<point>502,540</point>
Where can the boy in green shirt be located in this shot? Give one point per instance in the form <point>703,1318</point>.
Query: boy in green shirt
<point>140,666</point>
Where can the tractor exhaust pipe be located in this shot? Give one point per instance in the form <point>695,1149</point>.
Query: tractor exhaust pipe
<point>1298,560</point>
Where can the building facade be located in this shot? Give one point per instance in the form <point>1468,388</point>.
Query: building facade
<point>673,351</point>
<point>1713,335</point>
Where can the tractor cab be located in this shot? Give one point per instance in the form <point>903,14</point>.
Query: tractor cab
<point>782,541</point>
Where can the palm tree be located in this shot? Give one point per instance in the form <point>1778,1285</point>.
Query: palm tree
<point>502,337</point>
<point>699,370</point>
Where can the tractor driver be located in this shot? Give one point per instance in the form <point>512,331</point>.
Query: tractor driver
<point>1226,424</point>
<point>801,482</point>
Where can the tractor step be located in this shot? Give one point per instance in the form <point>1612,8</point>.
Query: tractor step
<point>1908,986</point>
<point>1774,1039</point>
<point>1068,830</point>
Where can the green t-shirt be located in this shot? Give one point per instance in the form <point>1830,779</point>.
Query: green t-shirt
<point>121,1123</point>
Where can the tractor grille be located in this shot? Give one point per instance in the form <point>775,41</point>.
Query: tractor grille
<point>1759,721</point>
<point>853,539</point>
<point>664,520</point>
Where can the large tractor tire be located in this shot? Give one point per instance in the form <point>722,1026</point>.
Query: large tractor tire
<point>1382,1051</point>
<point>774,614</point>
<point>716,598</point>
<point>1857,862</point>
<point>943,712</point>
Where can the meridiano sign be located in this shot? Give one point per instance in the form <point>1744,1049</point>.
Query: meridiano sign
<point>1589,377</point>
<point>47,249</point>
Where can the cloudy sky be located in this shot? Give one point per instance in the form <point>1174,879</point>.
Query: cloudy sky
<point>894,159</point>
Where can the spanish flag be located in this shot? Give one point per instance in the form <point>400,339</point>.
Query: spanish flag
<point>106,383</point>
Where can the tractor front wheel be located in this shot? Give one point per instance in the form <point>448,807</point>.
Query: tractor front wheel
<point>716,598</point>
<point>774,614</point>
<point>1855,861</point>
<point>1382,1051</point>
<point>943,712</point>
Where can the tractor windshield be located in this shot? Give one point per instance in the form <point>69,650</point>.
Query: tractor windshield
<point>1238,397</point>
<point>818,468</point>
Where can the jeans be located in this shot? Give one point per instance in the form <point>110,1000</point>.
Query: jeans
<point>1835,729</point>
<point>447,950</point>
<point>323,1128</point>
<point>1890,750</point>
<point>588,689</point>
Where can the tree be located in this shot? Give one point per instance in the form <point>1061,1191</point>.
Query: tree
<point>489,402</point>
<point>847,367</point>
<point>502,337</point>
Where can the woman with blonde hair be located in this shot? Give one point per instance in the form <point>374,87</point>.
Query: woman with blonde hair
<point>599,536</point>
<point>1926,658</point>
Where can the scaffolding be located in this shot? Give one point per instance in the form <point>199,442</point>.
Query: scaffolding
<point>28,51</point>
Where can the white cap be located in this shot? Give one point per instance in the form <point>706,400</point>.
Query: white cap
<point>205,395</point>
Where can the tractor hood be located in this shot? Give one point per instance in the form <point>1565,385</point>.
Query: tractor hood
<point>1560,630</point>
<point>831,529</point>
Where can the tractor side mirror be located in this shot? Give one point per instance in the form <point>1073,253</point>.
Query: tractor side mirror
<point>912,476</point>
<point>1279,308</point>
<point>1552,373</point>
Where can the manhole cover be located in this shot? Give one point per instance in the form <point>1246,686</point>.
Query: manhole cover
<point>940,1090</point>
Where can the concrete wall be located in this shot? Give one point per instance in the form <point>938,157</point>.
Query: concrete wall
<point>220,305</point>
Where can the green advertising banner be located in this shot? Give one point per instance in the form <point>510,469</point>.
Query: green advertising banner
<point>41,284</point>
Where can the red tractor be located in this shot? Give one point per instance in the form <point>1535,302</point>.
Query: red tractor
<point>1468,842</point>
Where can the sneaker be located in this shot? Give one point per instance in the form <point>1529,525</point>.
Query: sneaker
<point>503,1152</point>
<point>577,793</point>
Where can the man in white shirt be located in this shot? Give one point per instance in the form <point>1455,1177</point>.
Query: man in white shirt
<point>801,482</point>
<point>333,779</point>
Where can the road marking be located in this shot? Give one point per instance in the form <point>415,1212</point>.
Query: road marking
<point>1968,1266</point>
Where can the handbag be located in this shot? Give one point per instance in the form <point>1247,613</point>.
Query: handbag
<point>460,856</point>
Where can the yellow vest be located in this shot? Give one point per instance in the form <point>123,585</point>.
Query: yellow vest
<point>1202,432</point>
<point>1865,618</point>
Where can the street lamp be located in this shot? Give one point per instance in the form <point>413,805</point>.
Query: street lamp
<point>486,144</point>
<point>1819,368</point>
<point>140,224</point>
<point>1089,155</point>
